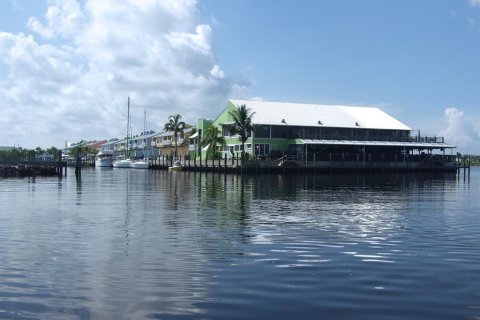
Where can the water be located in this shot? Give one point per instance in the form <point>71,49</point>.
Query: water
<point>137,244</point>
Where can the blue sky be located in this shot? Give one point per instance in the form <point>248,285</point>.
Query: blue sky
<point>417,60</point>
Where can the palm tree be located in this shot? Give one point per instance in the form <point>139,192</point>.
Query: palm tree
<point>176,126</point>
<point>242,125</point>
<point>212,138</point>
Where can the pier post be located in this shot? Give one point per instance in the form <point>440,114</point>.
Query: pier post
<point>358,162</point>
<point>236,170</point>
<point>78,166</point>
<point>330,162</point>
<point>383,162</point>
<point>395,162</point>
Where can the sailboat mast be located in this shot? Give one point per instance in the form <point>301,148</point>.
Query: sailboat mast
<point>128,125</point>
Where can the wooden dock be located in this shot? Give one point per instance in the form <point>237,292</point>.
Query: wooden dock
<point>32,168</point>
<point>292,165</point>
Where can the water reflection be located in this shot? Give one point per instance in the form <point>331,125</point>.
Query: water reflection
<point>155,244</point>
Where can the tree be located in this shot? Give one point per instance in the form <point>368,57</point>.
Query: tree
<point>242,125</point>
<point>176,126</point>
<point>212,138</point>
<point>53,151</point>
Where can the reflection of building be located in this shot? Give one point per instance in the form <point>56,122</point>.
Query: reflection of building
<point>322,135</point>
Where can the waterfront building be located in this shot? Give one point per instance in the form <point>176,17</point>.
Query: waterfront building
<point>142,146</point>
<point>108,146</point>
<point>328,136</point>
<point>45,156</point>
<point>164,142</point>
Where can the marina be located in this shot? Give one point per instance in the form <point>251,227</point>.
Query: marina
<point>239,160</point>
<point>278,140</point>
<point>152,244</point>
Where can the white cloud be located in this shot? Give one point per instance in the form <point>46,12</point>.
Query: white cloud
<point>72,82</point>
<point>63,18</point>
<point>460,132</point>
<point>474,3</point>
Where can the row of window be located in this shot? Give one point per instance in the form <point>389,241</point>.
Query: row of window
<point>261,149</point>
<point>284,132</point>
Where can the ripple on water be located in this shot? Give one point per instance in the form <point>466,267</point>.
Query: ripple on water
<point>128,244</point>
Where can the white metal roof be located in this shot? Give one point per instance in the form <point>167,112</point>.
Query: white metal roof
<point>414,145</point>
<point>299,114</point>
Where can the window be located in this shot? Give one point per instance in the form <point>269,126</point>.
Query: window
<point>262,149</point>
<point>262,131</point>
<point>279,132</point>
<point>226,131</point>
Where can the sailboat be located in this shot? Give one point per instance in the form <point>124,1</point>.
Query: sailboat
<point>124,161</point>
<point>142,163</point>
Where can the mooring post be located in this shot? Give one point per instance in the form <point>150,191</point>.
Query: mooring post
<point>78,166</point>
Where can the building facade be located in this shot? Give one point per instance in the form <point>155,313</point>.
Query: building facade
<point>165,142</point>
<point>315,134</point>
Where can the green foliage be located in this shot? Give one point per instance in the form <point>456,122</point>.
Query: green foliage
<point>53,151</point>
<point>212,138</point>
<point>242,124</point>
<point>20,154</point>
<point>83,150</point>
<point>16,154</point>
<point>176,126</point>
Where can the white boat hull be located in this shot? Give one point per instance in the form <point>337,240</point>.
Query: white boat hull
<point>103,163</point>
<point>122,163</point>
<point>103,159</point>
<point>139,165</point>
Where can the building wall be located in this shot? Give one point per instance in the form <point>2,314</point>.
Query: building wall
<point>275,140</point>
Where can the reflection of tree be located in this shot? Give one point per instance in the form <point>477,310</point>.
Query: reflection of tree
<point>224,200</point>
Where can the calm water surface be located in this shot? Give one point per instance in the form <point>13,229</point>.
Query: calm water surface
<point>136,244</point>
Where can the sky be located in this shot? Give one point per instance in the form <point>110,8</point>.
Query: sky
<point>67,67</point>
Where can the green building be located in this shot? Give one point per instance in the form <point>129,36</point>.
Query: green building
<point>312,133</point>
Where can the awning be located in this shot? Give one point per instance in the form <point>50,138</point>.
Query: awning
<point>411,145</point>
<point>193,135</point>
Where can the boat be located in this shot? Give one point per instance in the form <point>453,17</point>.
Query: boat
<point>140,164</point>
<point>124,161</point>
<point>176,166</point>
<point>104,159</point>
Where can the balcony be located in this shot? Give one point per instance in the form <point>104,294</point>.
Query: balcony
<point>166,143</point>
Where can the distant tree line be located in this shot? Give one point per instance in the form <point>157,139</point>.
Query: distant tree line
<point>21,154</point>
